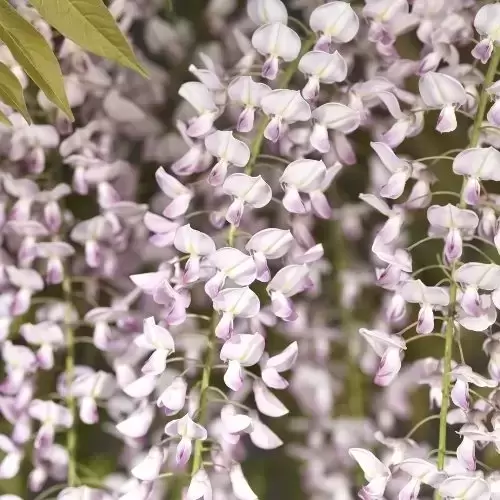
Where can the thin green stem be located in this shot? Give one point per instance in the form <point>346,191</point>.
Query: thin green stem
<point>419,424</point>
<point>204,386</point>
<point>428,268</point>
<point>71,437</point>
<point>420,242</point>
<point>437,157</point>
<point>450,323</point>
<point>423,336</point>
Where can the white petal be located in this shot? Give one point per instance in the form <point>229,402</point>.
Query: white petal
<point>241,302</point>
<point>290,280</point>
<point>235,264</point>
<point>276,39</point>
<point>482,163</point>
<point>254,191</point>
<point>148,469</point>
<point>438,89</point>
<point>138,423</point>
<point>241,488</point>
<point>285,359</point>
<point>487,21</point>
<point>267,11</point>
<point>193,242</point>
<point>246,349</point>
<point>141,387</point>
<point>224,146</point>
<point>336,19</point>
<point>465,488</point>
<point>273,243</point>
<point>304,175</point>
<point>263,437</point>
<point>328,68</point>
<point>337,116</point>
<point>288,104</point>
<point>267,403</point>
<point>372,467</point>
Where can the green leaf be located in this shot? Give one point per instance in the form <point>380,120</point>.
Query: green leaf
<point>34,54</point>
<point>11,91</point>
<point>89,24</point>
<point>4,119</point>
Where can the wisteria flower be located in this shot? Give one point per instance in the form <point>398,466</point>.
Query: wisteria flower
<point>138,422</point>
<point>267,11</point>
<point>51,416</point>
<point>234,302</point>
<point>389,348</point>
<point>89,388</point>
<point>376,473</point>
<point>454,222</point>
<point>466,487</point>
<point>233,264</point>
<point>464,375</point>
<point>148,469</point>
<point>179,194</point>
<point>188,431</point>
<point>321,67</point>
<point>200,487</point>
<point>427,297</point>
<point>239,483</point>
<point>277,364</point>
<point>196,244</point>
<point>284,107</point>
<point>486,22</point>
<point>332,116</point>
<point>48,336</point>
<point>230,152</point>
<point>203,103</point>
<point>159,340</point>
<point>420,471</point>
<point>11,462</point>
<point>275,41</point>
<point>267,244</point>
<point>476,164</point>
<point>234,424</point>
<point>286,283</point>
<point>246,190</point>
<point>241,351</point>
<point>310,177</point>
<point>55,252</point>
<point>399,169</point>
<point>336,21</point>
<point>442,91</point>
<point>247,93</point>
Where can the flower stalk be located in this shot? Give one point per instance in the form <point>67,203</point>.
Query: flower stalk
<point>254,153</point>
<point>450,323</point>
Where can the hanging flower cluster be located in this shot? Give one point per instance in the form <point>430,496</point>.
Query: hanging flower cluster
<point>243,253</point>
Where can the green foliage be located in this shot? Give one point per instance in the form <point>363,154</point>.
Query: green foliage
<point>88,23</point>
<point>34,54</point>
<point>11,91</point>
<point>4,119</point>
